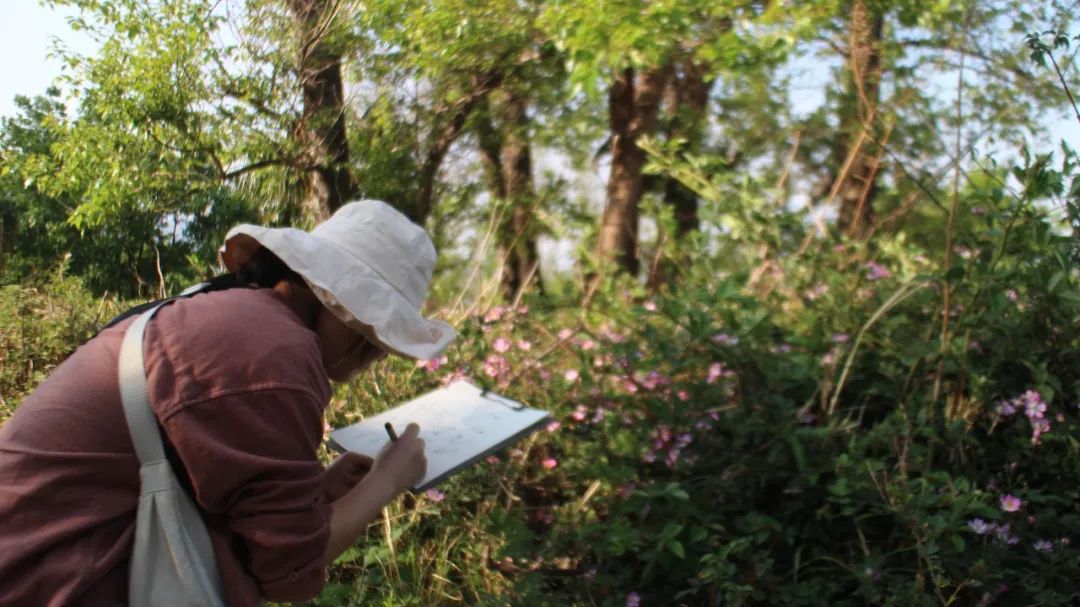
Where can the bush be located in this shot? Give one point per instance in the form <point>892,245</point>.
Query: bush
<point>39,327</point>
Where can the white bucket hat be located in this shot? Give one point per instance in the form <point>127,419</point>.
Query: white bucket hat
<point>368,264</point>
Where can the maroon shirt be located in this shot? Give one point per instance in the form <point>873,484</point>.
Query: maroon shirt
<point>238,387</point>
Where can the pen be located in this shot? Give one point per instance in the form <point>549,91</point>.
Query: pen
<point>390,431</point>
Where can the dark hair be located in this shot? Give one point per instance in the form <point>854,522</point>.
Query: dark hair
<point>263,270</point>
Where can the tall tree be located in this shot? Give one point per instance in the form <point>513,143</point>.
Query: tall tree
<point>855,155</point>
<point>633,106</point>
<point>504,139</point>
<point>320,130</point>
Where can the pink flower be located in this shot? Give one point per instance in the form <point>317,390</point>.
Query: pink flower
<point>495,365</point>
<point>876,271</point>
<point>980,526</point>
<point>633,600</point>
<point>571,375</point>
<point>1043,546</point>
<point>523,310</point>
<point>588,344</point>
<point>501,345</point>
<point>431,365</point>
<point>629,386</point>
<point>553,426</point>
<point>549,462</point>
<point>435,495</point>
<point>1011,294</point>
<point>716,371</point>
<point>1034,405</point>
<point>1011,503</point>
<point>682,395</point>
<point>579,414</point>
<point>565,334</point>
<point>840,338</point>
<point>524,345</point>
<point>650,306</point>
<point>495,314</point>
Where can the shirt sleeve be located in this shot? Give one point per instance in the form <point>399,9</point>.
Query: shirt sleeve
<point>252,459</point>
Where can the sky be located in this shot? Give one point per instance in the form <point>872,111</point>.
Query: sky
<point>27,31</point>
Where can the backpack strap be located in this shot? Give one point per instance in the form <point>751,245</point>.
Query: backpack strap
<point>133,391</point>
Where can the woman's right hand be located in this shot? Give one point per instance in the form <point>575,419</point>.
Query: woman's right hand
<point>402,462</point>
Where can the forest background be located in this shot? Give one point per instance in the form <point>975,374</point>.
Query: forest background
<point>807,312</point>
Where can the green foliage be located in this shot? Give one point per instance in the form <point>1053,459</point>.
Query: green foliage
<point>40,325</point>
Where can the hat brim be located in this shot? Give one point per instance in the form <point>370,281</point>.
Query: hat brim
<point>347,286</point>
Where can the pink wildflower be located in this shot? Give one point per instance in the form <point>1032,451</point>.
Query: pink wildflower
<point>716,371</point>
<point>495,365</point>
<point>1012,295</point>
<point>524,345</point>
<point>1043,546</point>
<point>876,271</point>
<point>431,365</point>
<point>633,600</point>
<point>501,345</point>
<point>980,526</point>
<point>840,338</point>
<point>549,462</point>
<point>495,314</point>
<point>1011,503</point>
<point>726,339</point>
<point>523,310</point>
<point>579,414</point>
<point>650,306</point>
<point>682,395</point>
<point>435,495</point>
<point>553,426</point>
<point>565,334</point>
<point>588,344</point>
<point>571,375</point>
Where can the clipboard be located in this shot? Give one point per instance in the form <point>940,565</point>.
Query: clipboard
<point>460,424</point>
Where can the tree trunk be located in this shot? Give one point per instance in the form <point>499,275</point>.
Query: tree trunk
<point>448,126</point>
<point>856,161</point>
<point>687,99</point>
<point>633,104</point>
<point>519,233</point>
<point>327,182</point>
<point>507,156</point>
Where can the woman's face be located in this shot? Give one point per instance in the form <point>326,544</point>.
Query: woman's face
<point>344,351</point>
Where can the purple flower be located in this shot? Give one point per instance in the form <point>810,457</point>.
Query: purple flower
<point>435,495</point>
<point>1005,408</point>
<point>1011,503</point>
<point>1004,534</point>
<point>980,526</point>
<point>876,271</point>
<point>1043,546</point>
<point>633,600</point>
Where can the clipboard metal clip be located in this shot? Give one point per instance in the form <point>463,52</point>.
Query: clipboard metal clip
<point>509,404</point>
